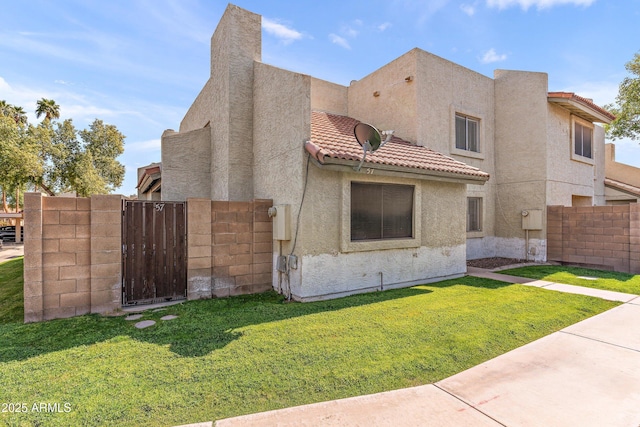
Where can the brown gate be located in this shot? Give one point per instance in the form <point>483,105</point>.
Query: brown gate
<point>154,252</point>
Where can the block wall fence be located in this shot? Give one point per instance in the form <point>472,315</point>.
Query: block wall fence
<point>73,253</point>
<point>605,237</point>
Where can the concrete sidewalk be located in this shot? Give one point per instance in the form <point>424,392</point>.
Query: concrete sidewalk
<point>571,289</point>
<point>10,251</point>
<point>587,374</point>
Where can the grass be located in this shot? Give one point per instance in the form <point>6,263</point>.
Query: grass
<point>227,357</point>
<point>11,284</point>
<point>607,280</point>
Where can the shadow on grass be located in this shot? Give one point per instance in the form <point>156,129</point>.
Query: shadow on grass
<point>476,282</point>
<point>201,327</point>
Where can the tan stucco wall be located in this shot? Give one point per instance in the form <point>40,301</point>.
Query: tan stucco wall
<point>282,123</point>
<point>568,175</point>
<point>520,148</point>
<point>226,104</point>
<point>186,164</point>
<point>329,97</point>
<point>328,269</point>
<point>620,171</point>
<point>396,106</point>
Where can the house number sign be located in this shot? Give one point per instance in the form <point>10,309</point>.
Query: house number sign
<point>158,206</point>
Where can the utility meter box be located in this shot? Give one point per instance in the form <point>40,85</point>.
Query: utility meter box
<point>281,217</point>
<point>532,219</point>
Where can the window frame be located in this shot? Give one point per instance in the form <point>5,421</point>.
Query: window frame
<point>383,205</point>
<point>479,214</point>
<point>467,144</point>
<point>575,121</point>
<point>479,119</point>
<point>347,245</point>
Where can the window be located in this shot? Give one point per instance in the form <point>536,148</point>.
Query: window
<point>582,140</point>
<point>467,133</point>
<point>381,211</point>
<point>474,214</point>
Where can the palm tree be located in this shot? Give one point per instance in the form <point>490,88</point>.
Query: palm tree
<point>19,115</point>
<point>48,108</point>
<point>6,109</point>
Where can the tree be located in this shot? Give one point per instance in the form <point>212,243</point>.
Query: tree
<point>55,156</point>
<point>18,156</point>
<point>19,115</point>
<point>48,108</point>
<point>105,143</point>
<point>627,105</point>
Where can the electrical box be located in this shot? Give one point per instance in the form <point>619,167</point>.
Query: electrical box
<point>281,216</point>
<point>532,219</point>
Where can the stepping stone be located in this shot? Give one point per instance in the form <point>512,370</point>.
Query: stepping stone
<point>133,317</point>
<point>145,324</point>
<point>158,309</point>
<point>169,317</point>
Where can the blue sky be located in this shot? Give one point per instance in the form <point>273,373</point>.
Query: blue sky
<point>139,64</point>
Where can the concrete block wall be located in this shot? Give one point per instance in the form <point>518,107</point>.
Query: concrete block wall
<point>230,248</point>
<point>73,253</point>
<point>72,256</point>
<point>242,247</point>
<point>595,236</point>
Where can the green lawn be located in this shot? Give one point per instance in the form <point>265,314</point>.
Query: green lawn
<point>11,284</point>
<point>226,357</point>
<point>607,280</point>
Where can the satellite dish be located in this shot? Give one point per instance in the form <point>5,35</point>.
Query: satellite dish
<point>370,139</point>
<point>367,134</point>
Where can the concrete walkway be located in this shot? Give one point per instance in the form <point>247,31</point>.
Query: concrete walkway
<point>10,250</point>
<point>587,374</point>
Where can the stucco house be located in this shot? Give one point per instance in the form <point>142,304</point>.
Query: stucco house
<point>472,166</point>
<point>150,182</point>
<point>622,181</point>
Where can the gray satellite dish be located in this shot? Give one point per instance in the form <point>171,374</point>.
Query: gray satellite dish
<point>370,139</point>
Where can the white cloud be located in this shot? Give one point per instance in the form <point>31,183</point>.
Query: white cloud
<point>286,34</point>
<point>340,41</point>
<point>384,26</point>
<point>492,56</point>
<point>468,9</point>
<point>539,4</point>
<point>349,31</point>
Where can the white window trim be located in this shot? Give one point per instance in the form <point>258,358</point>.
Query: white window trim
<point>346,245</point>
<point>577,157</point>
<point>452,131</point>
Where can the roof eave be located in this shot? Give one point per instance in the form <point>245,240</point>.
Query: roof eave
<point>581,110</point>
<point>330,163</point>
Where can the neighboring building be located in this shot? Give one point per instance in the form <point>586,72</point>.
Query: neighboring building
<point>622,181</point>
<point>470,156</point>
<point>150,182</point>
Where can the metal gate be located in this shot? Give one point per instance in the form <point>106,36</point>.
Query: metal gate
<point>153,252</point>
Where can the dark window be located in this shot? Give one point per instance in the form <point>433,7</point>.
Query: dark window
<point>381,211</point>
<point>582,140</point>
<point>467,133</point>
<point>474,214</point>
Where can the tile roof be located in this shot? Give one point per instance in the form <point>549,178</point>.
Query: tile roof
<point>559,97</point>
<point>618,185</point>
<point>332,137</point>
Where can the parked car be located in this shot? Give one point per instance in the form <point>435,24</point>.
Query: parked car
<point>8,233</point>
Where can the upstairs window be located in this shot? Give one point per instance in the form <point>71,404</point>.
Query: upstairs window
<point>381,211</point>
<point>582,138</point>
<point>467,133</point>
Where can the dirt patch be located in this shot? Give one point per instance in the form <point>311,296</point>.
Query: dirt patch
<point>495,262</point>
